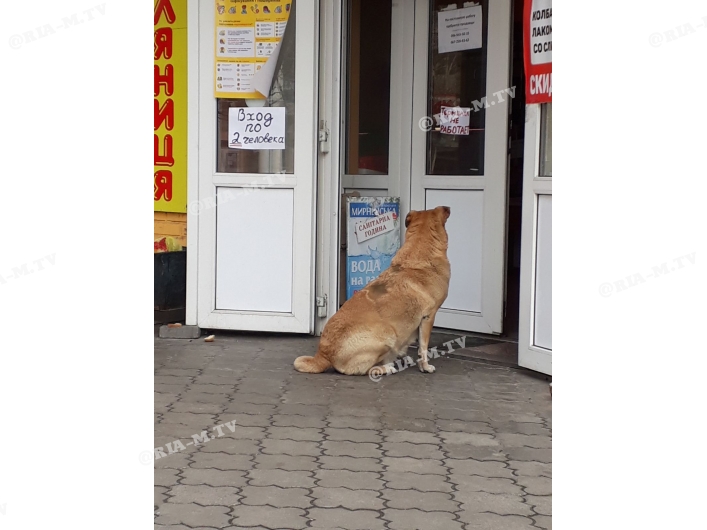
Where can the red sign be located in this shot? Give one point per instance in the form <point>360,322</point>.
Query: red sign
<point>537,50</point>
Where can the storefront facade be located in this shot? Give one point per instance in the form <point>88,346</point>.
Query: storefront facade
<point>412,99</point>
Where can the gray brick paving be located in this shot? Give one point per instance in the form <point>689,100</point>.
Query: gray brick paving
<point>204,495</point>
<point>347,498</point>
<point>331,518</point>
<point>468,447</point>
<point>276,496</point>
<point>418,520</point>
<point>356,480</point>
<point>414,481</point>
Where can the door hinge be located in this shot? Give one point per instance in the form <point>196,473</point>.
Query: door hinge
<point>323,137</point>
<point>321,306</point>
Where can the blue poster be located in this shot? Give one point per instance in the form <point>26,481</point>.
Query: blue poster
<point>373,231</point>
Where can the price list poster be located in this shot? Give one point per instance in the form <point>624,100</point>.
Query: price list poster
<point>248,38</point>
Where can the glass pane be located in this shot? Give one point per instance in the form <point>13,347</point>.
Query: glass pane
<point>457,78</point>
<point>282,94</point>
<point>368,87</point>
<point>546,142</point>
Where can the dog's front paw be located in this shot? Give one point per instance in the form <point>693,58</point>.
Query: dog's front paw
<point>427,368</point>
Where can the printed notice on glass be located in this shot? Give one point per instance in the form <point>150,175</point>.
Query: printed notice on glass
<point>454,120</point>
<point>541,32</point>
<point>248,39</point>
<point>369,228</point>
<point>256,127</point>
<point>459,29</point>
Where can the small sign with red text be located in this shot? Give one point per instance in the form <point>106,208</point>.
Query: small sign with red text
<point>370,228</point>
<point>455,120</point>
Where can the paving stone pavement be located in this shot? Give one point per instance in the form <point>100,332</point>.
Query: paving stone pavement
<point>468,447</point>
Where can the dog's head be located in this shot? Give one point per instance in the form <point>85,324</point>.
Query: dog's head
<point>433,218</point>
<point>428,224</point>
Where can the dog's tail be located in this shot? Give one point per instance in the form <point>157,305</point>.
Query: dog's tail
<point>312,365</point>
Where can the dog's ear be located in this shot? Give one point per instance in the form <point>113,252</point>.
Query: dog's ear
<point>446,212</point>
<point>408,218</point>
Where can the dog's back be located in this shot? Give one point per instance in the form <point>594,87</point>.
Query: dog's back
<point>383,318</point>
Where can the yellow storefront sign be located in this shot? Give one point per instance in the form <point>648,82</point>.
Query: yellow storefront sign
<point>170,107</point>
<point>248,37</point>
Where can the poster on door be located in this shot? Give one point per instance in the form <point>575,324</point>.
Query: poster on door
<point>248,39</point>
<point>373,238</point>
<point>537,53</point>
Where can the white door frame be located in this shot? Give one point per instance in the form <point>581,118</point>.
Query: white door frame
<point>193,71</point>
<point>405,29</point>
<point>203,179</point>
<point>397,182</point>
<point>534,185</point>
<point>332,114</point>
<point>330,125</point>
<point>493,182</point>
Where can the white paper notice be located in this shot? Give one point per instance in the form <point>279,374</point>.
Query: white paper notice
<point>541,32</point>
<point>256,127</point>
<point>459,29</point>
<point>370,228</point>
<point>454,120</point>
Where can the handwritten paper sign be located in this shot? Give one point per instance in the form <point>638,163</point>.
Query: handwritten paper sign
<point>459,29</point>
<point>256,127</point>
<point>454,120</point>
<point>370,228</point>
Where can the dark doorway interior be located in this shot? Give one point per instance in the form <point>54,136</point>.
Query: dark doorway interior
<point>515,184</point>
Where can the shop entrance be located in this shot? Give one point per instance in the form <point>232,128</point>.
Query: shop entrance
<point>424,113</point>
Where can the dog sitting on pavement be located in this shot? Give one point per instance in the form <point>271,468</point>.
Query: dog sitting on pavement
<point>380,321</point>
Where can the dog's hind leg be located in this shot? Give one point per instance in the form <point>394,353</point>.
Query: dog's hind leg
<point>312,365</point>
<point>361,362</point>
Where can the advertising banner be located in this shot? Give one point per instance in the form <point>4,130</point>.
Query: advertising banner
<point>170,107</point>
<point>373,236</point>
<point>537,50</point>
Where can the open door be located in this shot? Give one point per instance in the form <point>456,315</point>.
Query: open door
<point>535,322</point>
<point>251,213</point>
<point>460,64</point>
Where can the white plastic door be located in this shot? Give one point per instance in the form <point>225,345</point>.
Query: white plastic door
<point>466,172</point>
<point>251,213</point>
<point>535,320</point>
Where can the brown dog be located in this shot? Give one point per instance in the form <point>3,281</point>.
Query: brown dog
<point>380,321</point>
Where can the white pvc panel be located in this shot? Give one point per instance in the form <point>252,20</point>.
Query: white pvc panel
<point>369,193</point>
<point>465,229</point>
<point>254,259</point>
<point>543,274</point>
